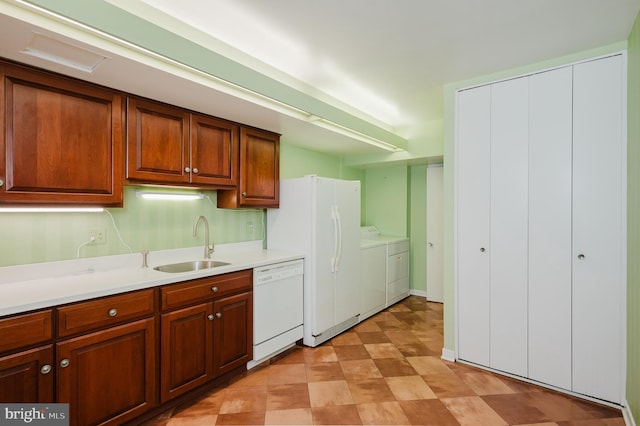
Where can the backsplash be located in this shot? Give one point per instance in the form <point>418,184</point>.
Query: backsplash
<point>143,225</point>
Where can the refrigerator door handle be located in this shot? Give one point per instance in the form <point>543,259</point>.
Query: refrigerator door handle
<point>334,259</point>
<point>339,237</point>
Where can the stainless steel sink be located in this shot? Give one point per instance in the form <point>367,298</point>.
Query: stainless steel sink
<point>190,266</point>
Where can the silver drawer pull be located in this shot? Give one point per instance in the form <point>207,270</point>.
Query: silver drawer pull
<point>214,289</point>
<point>64,363</point>
<point>45,369</point>
<point>113,312</point>
<point>218,315</point>
<point>210,317</point>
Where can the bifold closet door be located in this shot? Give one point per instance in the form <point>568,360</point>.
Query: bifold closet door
<point>598,227</point>
<point>473,198</point>
<point>508,223</point>
<point>549,301</point>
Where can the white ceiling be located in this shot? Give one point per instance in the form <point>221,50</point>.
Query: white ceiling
<point>382,60</point>
<point>390,58</point>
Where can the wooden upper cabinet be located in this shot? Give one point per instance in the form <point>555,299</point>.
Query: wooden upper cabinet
<point>259,184</point>
<point>167,144</point>
<point>62,141</point>
<point>157,142</point>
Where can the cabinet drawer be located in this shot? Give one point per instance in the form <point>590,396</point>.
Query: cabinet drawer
<point>103,312</point>
<point>205,289</point>
<point>25,330</point>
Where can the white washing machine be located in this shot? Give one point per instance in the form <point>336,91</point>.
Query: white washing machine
<point>396,263</point>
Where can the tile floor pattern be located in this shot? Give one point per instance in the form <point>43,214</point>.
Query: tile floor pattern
<point>385,371</point>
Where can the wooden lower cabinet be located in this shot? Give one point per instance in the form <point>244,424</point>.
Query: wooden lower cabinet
<point>27,377</point>
<point>202,342</point>
<point>232,332</point>
<point>108,377</point>
<point>186,350</point>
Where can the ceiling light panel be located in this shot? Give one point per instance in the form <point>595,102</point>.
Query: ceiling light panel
<point>53,50</point>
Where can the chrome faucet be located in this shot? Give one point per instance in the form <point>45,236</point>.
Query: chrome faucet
<point>208,249</point>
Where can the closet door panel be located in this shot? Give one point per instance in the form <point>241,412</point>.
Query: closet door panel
<point>473,189</point>
<point>598,239</point>
<point>549,300</point>
<point>508,270</point>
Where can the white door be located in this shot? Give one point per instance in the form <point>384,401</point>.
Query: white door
<point>550,132</point>
<point>347,267</point>
<point>323,307</point>
<point>472,209</point>
<point>435,234</point>
<point>509,227</point>
<point>598,226</point>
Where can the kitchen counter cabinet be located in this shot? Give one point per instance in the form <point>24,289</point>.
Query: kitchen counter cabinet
<point>109,376</point>
<point>259,182</point>
<point>62,141</point>
<point>170,145</point>
<point>27,376</point>
<point>211,336</point>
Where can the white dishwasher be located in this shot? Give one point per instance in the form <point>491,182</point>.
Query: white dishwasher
<point>277,309</point>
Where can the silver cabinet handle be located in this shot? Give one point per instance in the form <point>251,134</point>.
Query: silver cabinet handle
<point>218,315</point>
<point>210,317</point>
<point>187,169</point>
<point>581,256</point>
<point>244,194</point>
<point>64,363</point>
<point>430,244</point>
<point>482,249</point>
<point>1,182</point>
<point>214,289</point>
<point>195,170</point>
<point>113,312</point>
<point>45,369</point>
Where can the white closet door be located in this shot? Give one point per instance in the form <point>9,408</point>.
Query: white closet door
<point>509,182</point>
<point>473,189</point>
<point>598,240</point>
<point>550,116</point>
<point>435,234</point>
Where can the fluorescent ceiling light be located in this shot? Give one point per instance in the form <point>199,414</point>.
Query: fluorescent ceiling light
<point>169,195</point>
<point>51,209</point>
<point>71,56</point>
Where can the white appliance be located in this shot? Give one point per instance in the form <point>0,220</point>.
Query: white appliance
<point>397,268</point>
<point>320,217</point>
<point>277,309</point>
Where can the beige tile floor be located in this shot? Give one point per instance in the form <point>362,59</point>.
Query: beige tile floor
<point>385,371</point>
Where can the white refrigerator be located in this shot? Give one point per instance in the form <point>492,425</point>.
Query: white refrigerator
<point>320,217</point>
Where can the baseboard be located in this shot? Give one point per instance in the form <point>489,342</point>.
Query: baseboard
<point>421,293</point>
<point>627,415</point>
<point>448,355</point>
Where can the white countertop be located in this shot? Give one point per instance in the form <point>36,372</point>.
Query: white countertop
<point>27,287</point>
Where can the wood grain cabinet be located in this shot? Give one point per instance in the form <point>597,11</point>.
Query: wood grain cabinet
<point>170,145</point>
<point>211,332</point>
<point>62,141</point>
<point>26,375</point>
<point>108,373</point>
<point>259,181</point>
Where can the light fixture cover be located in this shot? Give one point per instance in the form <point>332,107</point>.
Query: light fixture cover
<point>149,195</point>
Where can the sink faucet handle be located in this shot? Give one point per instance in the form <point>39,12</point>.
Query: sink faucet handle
<point>145,257</point>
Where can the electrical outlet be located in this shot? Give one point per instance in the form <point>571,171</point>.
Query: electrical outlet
<point>99,235</point>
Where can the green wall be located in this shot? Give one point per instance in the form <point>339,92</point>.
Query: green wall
<point>633,222</point>
<point>386,199</point>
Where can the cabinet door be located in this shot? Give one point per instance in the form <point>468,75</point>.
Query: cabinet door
<point>214,151</point>
<point>259,181</point>
<point>157,142</point>
<point>232,332</point>
<point>598,227</point>
<point>473,195</point>
<point>108,376</point>
<point>186,350</point>
<point>62,140</point>
<point>27,377</point>
<point>508,221</point>
<point>550,140</point>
